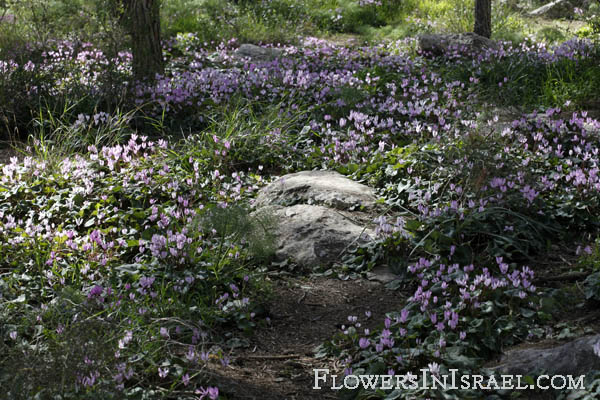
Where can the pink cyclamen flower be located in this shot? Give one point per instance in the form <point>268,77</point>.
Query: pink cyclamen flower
<point>163,372</point>
<point>434,368</point>
<point>211,392</point>
<point>95,291</point>
<point>597,348</point>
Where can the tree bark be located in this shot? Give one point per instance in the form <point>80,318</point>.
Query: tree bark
<point>483,18</point>
<point>143,23</point>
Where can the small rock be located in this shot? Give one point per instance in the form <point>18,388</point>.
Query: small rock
<point>464,43</point>
<point>573,358</point>
<point>556,9</point>
<point>257,53</point>
<point>382,274</point>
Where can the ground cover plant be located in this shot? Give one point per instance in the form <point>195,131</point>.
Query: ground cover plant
<point>132,267</point>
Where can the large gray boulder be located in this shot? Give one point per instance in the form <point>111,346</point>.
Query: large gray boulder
<point>311,235</point>
<point>556,9</point>
<point>257,54</point>
<point>462,43</point>
<point>327,188</point>
<point>319,215</point>
<point>573,358</point>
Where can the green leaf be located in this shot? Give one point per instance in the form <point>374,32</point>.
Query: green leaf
<point>20,299</point>
<point>129,268</point>
<point>527,313</point>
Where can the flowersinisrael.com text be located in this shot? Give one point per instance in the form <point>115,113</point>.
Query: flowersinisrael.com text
<point>426,380</point>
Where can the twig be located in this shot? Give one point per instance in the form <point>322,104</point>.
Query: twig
<point>315,304</point>
<point>302,297</point>
<point>275,357</point>
<point>568,277</point>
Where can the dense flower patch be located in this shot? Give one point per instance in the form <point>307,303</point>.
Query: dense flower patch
<point>126,269</point>
<point>129,244</point>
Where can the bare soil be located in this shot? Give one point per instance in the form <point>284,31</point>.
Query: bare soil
<point>280,360</point>
<point>6,153</point>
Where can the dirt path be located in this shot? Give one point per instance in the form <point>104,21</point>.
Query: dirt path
<point>280,360</point>
<point>279,363</point>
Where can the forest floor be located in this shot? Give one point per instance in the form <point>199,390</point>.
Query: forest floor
<point>280,361</point>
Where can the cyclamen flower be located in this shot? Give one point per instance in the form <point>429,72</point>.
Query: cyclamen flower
<point>364,343</point>
<point>146,282</point>
<point>204,356</point>
<point>434,368</point>
<point>91,379</point>
<point>404,315</point>
<point>163,372</point>
<point>126,339</point>
<point>597,348</point>
<point>211,392</point>
<point>95,291</point>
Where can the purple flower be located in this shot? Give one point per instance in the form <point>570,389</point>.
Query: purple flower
<point>163,372</point>
<point>404,315</point>
<point>434,368</point>
<point>364,343</point>
<point>597,348</point>
<point>211,392</point>
<point>95,291</point>
<point>146,282</point>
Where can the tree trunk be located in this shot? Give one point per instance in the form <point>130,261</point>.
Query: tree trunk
<point>143,23</point>
<point>483,18</point>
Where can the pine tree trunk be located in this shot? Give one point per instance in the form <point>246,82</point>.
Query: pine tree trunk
<point>143,22</point>
<point>483,18</point>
